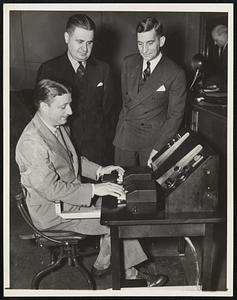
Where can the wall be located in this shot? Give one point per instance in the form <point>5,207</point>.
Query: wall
<point>36,36</point>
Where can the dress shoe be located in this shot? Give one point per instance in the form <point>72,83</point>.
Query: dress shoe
<point>100,273</point>
<point>153,280</point>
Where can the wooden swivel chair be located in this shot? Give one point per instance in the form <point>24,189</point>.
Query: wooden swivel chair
<point>63,245</point>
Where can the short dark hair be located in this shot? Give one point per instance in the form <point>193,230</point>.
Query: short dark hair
<point>80,20</point>
<point>148,24</point>
<point>47,89</point>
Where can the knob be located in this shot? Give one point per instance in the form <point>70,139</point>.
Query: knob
<point>176,168</point>
<point>170,183</point>
<point>181,176</point>
<point>186,169</point>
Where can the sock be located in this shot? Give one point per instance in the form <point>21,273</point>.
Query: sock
<point>131,273</point>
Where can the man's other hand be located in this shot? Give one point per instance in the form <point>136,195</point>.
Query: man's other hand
<point>153,153</point>
<point>108,188</point>
<point>110,169</point>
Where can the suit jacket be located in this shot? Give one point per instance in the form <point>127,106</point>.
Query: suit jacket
<point>92,100</point>
<point>152,116</point>
<point>223,68</point>
<point>50,172</point>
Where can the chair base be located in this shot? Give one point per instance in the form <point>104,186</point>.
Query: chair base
<point>70,253</point>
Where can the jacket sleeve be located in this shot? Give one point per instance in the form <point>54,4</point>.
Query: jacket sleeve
<point>39,173</point>
<point>108,90</point>
<point>175,110</point>
<point>89,168</point>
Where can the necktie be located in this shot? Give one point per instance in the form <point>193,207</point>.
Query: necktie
<point>60,137</point>
<point>80,70</point>
<point>147,71</point>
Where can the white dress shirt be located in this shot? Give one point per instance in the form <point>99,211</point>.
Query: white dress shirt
<point>75,63</point>
<point>153,63</point>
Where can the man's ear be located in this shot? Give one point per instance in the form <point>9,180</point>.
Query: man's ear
<point>66,37</point>
<point>43,106</point>
<point>162,41</point>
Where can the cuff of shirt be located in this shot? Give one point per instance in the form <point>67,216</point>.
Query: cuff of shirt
<point>93,190</point>
<point>98,173</point>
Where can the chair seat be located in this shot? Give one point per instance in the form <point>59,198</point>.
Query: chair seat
<point>64,236</point>
<point>69,237</point>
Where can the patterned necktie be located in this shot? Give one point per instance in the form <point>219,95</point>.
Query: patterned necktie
<point>81,70</point>
<point>147,71</point>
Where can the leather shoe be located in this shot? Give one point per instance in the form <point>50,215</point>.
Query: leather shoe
<point>100,273</point>
<point>153,280</point>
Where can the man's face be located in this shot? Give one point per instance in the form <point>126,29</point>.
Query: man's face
<point>149,44</point>
<point>58,110</point>
<point>80,43</point>
<point>219,39</point>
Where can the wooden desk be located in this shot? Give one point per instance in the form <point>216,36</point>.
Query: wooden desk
<point>125,224</point>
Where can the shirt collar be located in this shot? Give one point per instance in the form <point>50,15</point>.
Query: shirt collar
<point>74,62</point>
<point>224,46</point>
<point>153,62</point>
<point>51,128</point>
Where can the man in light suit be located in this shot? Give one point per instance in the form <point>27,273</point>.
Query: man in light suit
<point>154,93</point>
<point>49,170</point>
<point>92,90</point>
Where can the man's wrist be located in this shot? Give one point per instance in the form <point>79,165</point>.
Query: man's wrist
<point>99,172</point>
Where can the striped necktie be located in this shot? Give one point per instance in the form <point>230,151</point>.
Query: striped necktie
<point>147,71</point>
<point>81,70</point>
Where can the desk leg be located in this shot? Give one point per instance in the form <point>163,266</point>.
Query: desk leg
<point>115,258</point>
<point>208,257</point>
<point>181,246</point>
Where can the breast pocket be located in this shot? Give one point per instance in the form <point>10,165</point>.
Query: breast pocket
<point>159,98</point>
<point>160,94</point>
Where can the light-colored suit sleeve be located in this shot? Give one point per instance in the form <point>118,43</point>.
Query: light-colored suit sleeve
<point>175,111</point>
<point>38,173</point>
<point>89,168</point>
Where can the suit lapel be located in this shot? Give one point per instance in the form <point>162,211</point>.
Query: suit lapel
<point>153,83</point>
<point>67,68</point>
<point>51,139</point>
<point>92,74</point>
<point>134,77</point>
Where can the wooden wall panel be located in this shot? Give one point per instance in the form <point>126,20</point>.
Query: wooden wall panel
<point>38,36</point>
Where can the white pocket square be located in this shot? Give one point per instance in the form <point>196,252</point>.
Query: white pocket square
<point>100,84</point>
<point>161,88</point>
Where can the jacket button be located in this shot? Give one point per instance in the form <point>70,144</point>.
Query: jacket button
<point>142,124</point>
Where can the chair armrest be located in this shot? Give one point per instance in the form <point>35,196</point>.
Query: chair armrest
<point>93,213</point>
<point>58,207</point>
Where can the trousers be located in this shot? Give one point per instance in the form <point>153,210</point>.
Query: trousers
<point>127,158</point>
<point>132,250</point>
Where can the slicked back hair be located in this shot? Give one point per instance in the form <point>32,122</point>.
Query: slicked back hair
<point>148,24</point>
<point>46,90</point>
<point>79,20</point>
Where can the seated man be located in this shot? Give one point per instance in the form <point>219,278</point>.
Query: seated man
<point>50,171</point>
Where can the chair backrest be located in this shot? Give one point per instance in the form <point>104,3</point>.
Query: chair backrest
<point>22,206</point>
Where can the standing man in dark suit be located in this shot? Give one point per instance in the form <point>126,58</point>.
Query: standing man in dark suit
<point>220,37</point>
<point>91,84</point>
<point>154,93</point>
